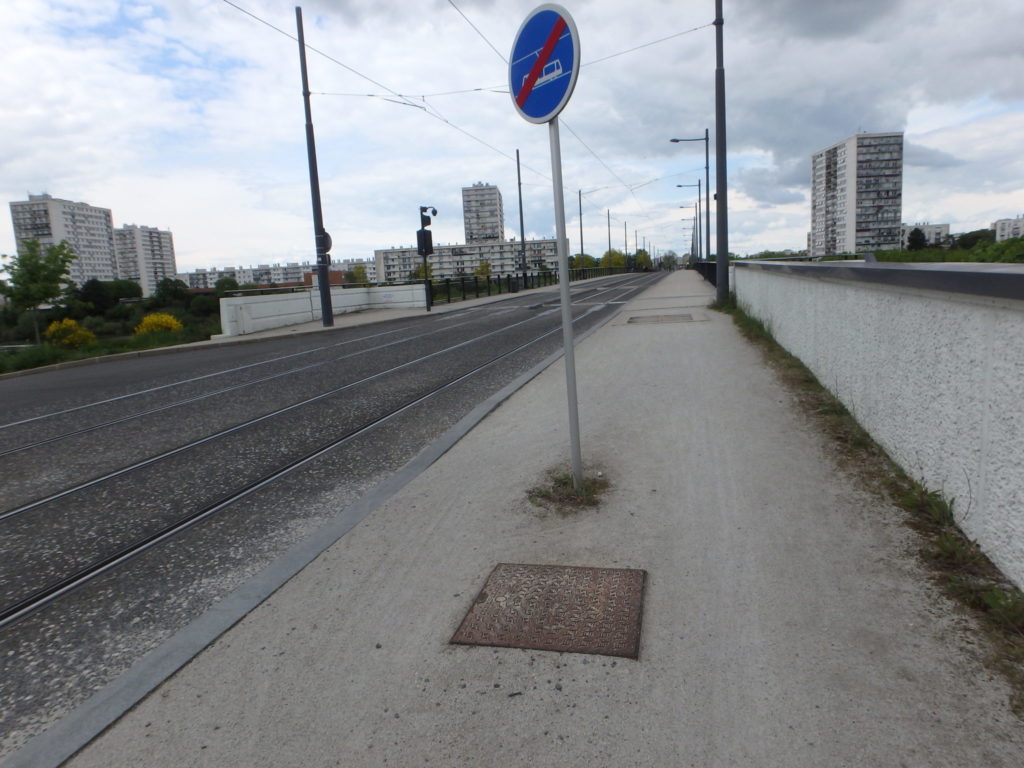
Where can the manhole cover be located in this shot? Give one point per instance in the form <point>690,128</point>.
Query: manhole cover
<point>558,608</point>
<point>661,319</point>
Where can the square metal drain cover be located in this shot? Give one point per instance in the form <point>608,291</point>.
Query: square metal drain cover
<point>661,319</point>
<point>558,608</point>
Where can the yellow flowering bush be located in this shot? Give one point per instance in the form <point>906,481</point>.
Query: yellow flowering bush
<point>68,333</point>
<point>157,322</point>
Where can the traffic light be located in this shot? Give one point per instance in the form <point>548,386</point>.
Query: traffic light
<point>424,238</point>
<point>424,219</point>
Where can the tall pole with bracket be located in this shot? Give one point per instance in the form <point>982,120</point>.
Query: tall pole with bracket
<point>721,181</point>
<point>323,240</point>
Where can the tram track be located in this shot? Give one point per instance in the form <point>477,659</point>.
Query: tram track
<point>52,510</point>
<point>584,294</point>
<point>41,597</point>
<point>66,633</point>
<point>250,423</point>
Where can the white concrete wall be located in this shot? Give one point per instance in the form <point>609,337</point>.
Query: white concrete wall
<point>240,315</point>
<point>936,378</point>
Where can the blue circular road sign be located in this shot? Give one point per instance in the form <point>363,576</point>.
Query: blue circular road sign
<point>544,63</point>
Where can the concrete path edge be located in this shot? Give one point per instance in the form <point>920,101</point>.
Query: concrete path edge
<point>92,717</point>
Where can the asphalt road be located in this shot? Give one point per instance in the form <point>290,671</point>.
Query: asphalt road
<point>95,458</point>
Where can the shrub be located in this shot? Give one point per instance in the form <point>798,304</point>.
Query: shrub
<point>203,305</point>
<point>33,357</point>
<point>68,333</point>
<point>158,322</point>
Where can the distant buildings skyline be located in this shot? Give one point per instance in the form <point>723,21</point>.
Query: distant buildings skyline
<point>484,220</point>
<point>139,253</point>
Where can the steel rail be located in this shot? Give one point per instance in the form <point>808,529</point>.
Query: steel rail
<point>251,422</point>
<point>44,596</point>
<point>440,318</point>
<point>224,390</point>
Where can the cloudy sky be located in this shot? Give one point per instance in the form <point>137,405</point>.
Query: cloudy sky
<point>187,115</point>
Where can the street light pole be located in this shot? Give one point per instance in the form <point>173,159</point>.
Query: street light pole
<point>320,235</point>
<point>707,186</point>
<point>609,229</point>
<point>697,185</point>
<point>581,223</point>
<point>721,181</point>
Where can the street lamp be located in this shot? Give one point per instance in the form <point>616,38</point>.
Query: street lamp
<point>697,185</point>
<point>693,231</point>
<point>707,186</point>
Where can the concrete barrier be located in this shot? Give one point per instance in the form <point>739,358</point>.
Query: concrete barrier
<point>240,315</point>
<point>930,360</point>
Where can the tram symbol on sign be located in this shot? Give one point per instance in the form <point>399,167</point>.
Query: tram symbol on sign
<point>552,71</point>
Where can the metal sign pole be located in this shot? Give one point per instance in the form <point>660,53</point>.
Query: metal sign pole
<point>543,68</point>
<point>562,244</point>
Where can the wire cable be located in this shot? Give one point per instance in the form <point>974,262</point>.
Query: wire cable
<point>500,54</point>
<point>646,45</point>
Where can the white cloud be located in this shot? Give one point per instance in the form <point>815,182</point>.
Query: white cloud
<point>187,114</point>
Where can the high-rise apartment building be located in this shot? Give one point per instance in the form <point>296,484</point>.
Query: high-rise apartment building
<point>145,255</point>
<point>857,195</point>
<point>88,230</point>
<point>483,214</point>
<point>1007,228</point>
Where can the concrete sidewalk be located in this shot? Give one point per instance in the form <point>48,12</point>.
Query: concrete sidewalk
<point>786,621</point>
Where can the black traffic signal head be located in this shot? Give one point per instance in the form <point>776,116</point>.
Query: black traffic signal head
<point>424,219</point>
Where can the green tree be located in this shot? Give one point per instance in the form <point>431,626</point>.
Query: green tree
<point>669,260</point>
<point>643,260</point>
<point>483,269</point>
<point>968,240</point>
<point>36,277</point>
<point>170,291</point>
<point>98,294</point>
<point>125,289</point>
<point>582,261</point>
<point>417,274</point>
<point>223,285</point>
<point>916,240</point>
<point>359,271</point>
<point>613,258</point>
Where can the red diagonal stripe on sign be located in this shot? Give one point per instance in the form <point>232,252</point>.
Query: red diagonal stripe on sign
<point>542,59</point>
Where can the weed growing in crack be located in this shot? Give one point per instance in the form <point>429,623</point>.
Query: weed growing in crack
<point>560,493</point>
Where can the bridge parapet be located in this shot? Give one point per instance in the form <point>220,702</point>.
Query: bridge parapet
<point>930,360</point>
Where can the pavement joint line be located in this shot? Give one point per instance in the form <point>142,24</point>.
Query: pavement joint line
<point>78,728</point>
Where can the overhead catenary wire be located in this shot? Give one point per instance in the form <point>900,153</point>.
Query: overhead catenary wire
<point>393,96</point>
<point>314,50</point>
<point>475,29</point>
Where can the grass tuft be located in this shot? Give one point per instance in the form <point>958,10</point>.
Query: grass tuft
<point>560,493</point>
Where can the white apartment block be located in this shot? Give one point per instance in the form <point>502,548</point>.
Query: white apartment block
<point>269,274</point>
<point>856,195</point>
<point>483,214</point>
<point>145,255</point>
<point>935,234</point>
<point>87,229</point>
<point>1007,228</point>
<point>397,264</point>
